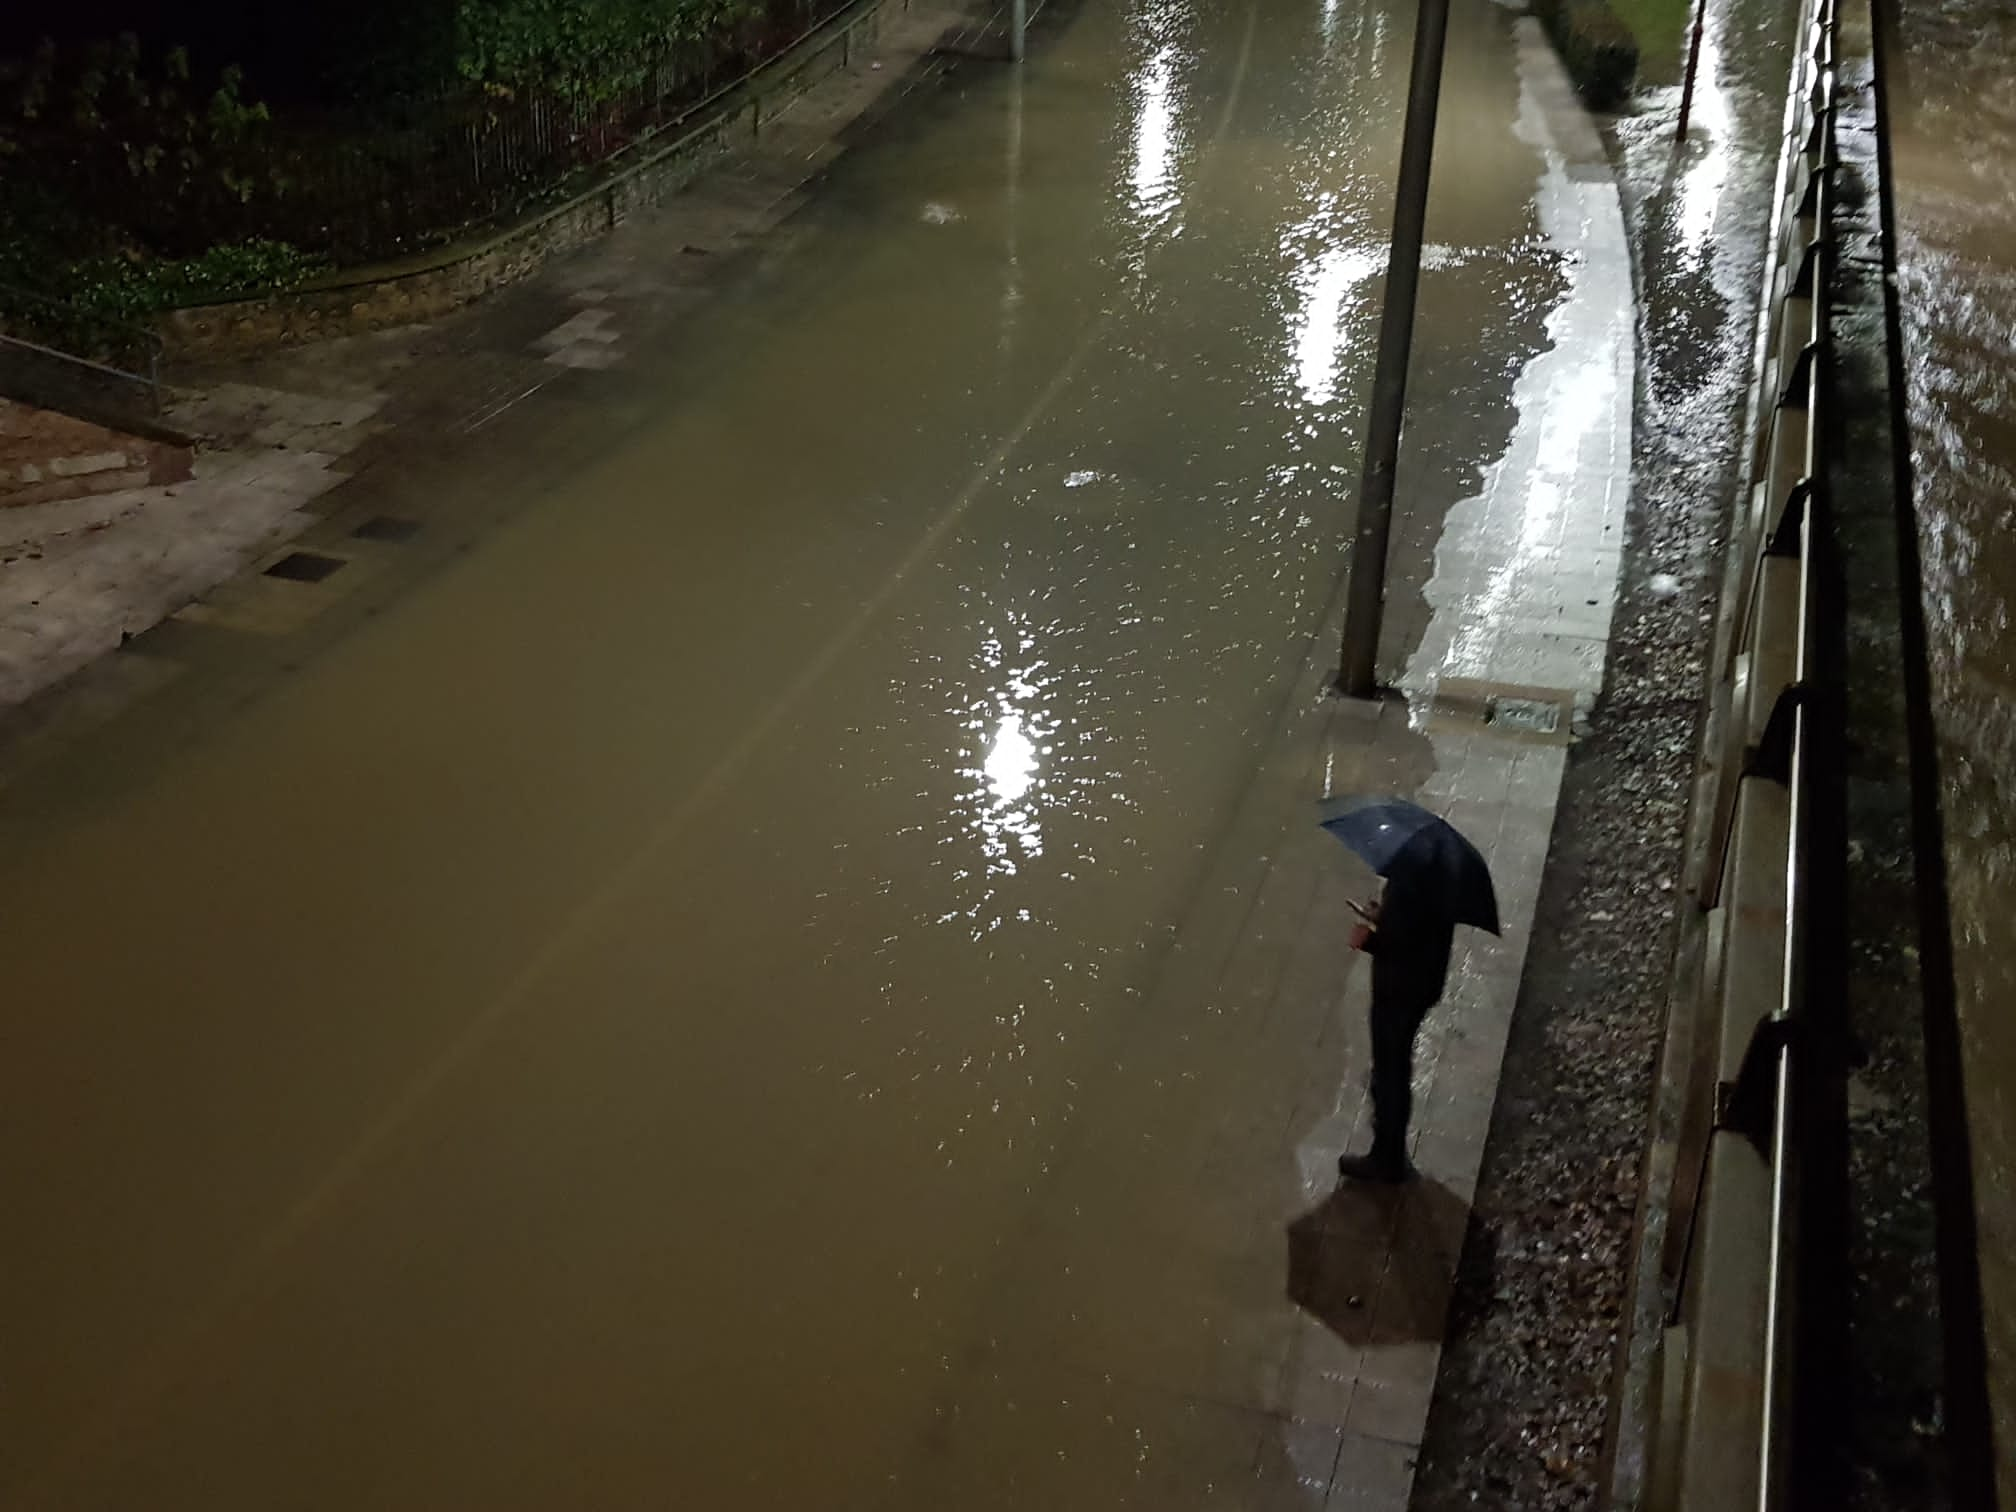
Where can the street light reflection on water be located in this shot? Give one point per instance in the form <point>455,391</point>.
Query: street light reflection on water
<point>1952,113</point>
<point>1011,762</point>
<point>1154,197</point>
<point>1700,192</point>
<point>1328,280</point>
<point>1008,788</point>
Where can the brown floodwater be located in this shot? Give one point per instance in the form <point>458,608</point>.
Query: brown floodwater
<point>591,1034</point>
<point>1954,144</point>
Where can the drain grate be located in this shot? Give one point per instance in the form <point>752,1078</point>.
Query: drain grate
<point>304,566</point>
<point>392,528</point>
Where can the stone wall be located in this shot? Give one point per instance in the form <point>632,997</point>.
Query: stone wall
<point>45,455</point>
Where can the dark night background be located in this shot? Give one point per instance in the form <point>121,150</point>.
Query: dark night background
<point>321,54</point>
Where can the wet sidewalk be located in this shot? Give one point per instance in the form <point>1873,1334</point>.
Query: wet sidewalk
<point>1322,1303</point>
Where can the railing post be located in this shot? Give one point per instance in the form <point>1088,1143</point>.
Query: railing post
<point>1749,1304</point>
<point>1693,64</point>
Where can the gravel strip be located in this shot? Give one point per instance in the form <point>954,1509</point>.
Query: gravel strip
<point>1524,1398</point>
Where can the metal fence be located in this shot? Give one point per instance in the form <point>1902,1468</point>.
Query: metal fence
<point>359,184</point>
<point>59,356</point>
<point>1727,1431</point>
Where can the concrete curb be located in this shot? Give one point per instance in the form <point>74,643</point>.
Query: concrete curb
<point>432,283</point>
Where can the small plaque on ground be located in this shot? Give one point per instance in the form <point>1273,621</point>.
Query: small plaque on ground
<point>1529,716</point>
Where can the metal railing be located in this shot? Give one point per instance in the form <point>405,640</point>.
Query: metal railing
<point>1725,1433</point>
<point>62,356</point>
<point>357,183</point>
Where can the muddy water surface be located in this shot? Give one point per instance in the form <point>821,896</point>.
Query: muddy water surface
<point>584,1037</point>
<point>1954,144</point>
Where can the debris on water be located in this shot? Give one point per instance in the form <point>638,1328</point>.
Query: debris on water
<point>1663,585</point>
<point>939,214</point>
<point>1080,478</point>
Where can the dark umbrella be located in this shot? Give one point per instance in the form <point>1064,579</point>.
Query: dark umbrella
<point>1419,851</point>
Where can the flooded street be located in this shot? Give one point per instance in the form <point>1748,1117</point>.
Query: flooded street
<point>1954,146</point>
<point>594,1033</point>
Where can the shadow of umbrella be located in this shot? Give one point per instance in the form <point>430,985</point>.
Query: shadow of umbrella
<point>1382,1259</point>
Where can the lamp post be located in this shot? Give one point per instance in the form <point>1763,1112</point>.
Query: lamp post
<point>1366,596</point>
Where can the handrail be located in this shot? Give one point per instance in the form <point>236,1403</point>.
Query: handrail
<point>138,338</point>
<point>1778,1448</point>
<point>1730,1440</point>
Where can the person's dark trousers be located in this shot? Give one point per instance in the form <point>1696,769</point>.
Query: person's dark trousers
<point>1402,994</point>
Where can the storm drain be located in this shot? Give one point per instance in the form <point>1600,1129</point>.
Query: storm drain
<point>389,528</point>
<point>304,567</point>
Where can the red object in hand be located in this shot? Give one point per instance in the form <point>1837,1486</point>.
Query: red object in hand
<point>1368,921</point>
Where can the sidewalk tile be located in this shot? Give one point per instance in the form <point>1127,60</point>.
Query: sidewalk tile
<point>1372,1475</point>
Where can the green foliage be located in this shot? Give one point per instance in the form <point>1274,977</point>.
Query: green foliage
<point>103,104</point>
<point>116,157</point>
<point>1597,49</point>
<point>590,49</point>
<point>89,303</point>
<point>126,286</point>
<point>1660,27</point>
<point>129,288</point>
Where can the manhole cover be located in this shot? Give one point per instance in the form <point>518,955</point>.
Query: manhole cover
<point>304,567</point>
<point>1531,716</point>
<point>390,528</point>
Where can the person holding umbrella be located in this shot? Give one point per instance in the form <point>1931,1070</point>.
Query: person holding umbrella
<point>1435,880</point>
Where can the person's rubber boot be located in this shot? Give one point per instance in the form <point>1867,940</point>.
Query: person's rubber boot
<point>1378,1166</point>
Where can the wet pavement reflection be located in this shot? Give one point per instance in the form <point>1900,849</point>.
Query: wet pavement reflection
<point>1954,149</point>
<point>594,1034</point>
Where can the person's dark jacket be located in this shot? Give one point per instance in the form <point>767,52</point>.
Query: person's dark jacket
<point>1412,943</point>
